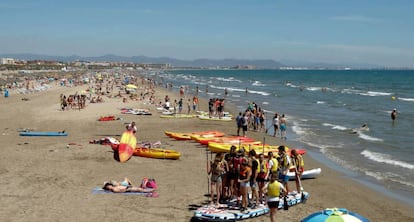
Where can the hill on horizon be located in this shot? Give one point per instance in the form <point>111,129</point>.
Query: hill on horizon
<point>204,63</point>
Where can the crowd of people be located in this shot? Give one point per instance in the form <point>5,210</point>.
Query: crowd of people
<point>234,174</point>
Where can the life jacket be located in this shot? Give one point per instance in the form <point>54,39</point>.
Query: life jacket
<point>285,162</point>
<point>262,167</point>
<point>299,161</point>
<point>274,166</point>
<point>273,189</point>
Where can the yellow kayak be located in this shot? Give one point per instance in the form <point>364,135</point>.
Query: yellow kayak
<point>193,135</point>
<point>157,153</point>
<point>257,146</point>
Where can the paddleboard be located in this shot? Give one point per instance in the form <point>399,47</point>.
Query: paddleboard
<point>231,212</point>
<point>126,146</point>
<point>224,118</point>
<point>307,174</point>
<point>34,133</point>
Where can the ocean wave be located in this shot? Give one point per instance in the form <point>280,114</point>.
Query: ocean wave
<point>320,102</point>
<point>258,83</point>
<point>291,85</point>
<point>369,138</point>
<point>314,88</point>
<point>297,129</point>
<point>230,79</point>
<point>385,158</point>
<point>337,127</point>
<point>406,99</point>
<point>373,93</point>
<point>259,92</point>
<point>387,177</point>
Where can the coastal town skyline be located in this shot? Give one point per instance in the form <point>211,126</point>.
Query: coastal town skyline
<point>320,31</point>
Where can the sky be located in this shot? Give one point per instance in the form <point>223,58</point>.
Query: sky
<point>377,32</point>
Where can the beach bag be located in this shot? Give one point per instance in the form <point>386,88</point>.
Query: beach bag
<point>152,184</point>
<point>148,183</point>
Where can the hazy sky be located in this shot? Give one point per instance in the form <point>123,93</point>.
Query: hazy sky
<point>333,31</point>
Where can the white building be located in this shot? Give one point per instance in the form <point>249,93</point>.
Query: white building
<point>6,61</point>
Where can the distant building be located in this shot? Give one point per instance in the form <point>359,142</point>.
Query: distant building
<point>156,66</point>
<point>7,61</point>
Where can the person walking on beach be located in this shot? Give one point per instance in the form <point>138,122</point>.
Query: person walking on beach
<point>282,125</point>
<point>188,106</point>
<point>393,116</point>
<point>273,190</point>
<point>245,122</point>
<point>239,123</point>
<point>276,125</point>
<point>180,105</point>
<point>297,160</point>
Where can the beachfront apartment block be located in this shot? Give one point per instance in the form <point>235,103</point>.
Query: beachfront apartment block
<point>7,61</point>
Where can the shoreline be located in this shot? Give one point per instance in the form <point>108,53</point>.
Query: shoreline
<point>46,171</point>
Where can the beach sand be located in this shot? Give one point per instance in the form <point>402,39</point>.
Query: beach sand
<point>44,179</point>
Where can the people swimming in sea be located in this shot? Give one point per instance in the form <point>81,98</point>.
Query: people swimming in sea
<point>364,127</point>
<point>393,115</point>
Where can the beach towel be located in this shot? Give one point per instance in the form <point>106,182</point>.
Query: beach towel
<point>99,190</point>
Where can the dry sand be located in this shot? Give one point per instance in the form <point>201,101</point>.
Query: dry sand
<point>44,180</point>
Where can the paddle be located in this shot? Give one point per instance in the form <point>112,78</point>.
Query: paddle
<point>285,203</point>
<point>264,141</point>
<point>208,177</point>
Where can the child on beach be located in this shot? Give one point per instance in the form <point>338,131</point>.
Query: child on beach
<point>216,171</point>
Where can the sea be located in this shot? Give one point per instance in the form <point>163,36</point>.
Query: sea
<point>323,109</point>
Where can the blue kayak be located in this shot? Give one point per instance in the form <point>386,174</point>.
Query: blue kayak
<point>33,133</point>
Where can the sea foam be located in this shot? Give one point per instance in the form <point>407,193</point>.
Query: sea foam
<point>385,158</point>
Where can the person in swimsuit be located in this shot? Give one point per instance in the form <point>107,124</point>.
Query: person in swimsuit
<point>283,124</point>
<point>216,170</point>
<point>393,115</point>
<point>124,186</point>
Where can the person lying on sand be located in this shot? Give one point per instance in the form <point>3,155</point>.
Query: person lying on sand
<point>124,186</point>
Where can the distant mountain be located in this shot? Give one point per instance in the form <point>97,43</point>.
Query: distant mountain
<point>296,63</point>
<point>264,64</point>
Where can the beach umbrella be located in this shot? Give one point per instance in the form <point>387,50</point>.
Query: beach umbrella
<point>130,86</point>
<point>335,215</point>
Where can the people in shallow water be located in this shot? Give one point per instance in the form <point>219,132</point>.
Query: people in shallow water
<point>393,115</point>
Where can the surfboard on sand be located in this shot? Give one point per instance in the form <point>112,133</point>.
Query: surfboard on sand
<point>126,146</point>
<point>33,133</point>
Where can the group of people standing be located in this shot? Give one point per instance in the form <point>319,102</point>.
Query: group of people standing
<point>252,118</point>
<point>279,126</point>
<point>236,173</point>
